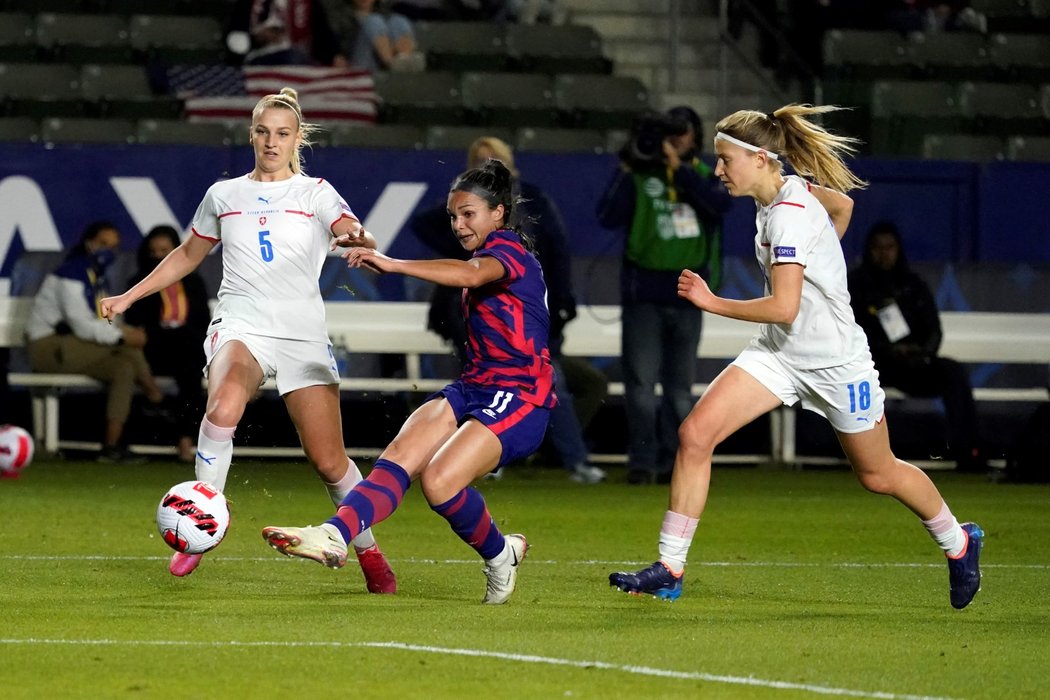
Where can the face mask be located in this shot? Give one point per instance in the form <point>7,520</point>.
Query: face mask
<point>103,258</point>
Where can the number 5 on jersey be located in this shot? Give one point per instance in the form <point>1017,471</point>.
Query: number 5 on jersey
<point>265,246</point>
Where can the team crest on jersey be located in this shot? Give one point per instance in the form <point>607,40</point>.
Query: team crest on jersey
<point>262,220</point>
<point>654,187</point>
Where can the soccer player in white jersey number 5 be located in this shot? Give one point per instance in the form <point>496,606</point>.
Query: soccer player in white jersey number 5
<point>276,226</point>
<point>808,347</point>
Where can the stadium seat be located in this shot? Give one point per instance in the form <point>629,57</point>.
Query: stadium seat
<point>19,130</point>
<point>180,132</point>
<point>462,46</point>
<point>401,136</point>
<point>459,138</point>
<point>599,101</point>
<point>951,55</point>
<point>124,91</point>
<point>867,55</point>
<point>40,90</point>
<point>84,38</point>
<point>17,37</point>
<point>532,139</point>
<point>569,48</point>
<point>1021,57</point>
<point>420,98</point>
<point>1006,108</point>
<point>903,112</point>
<point>971,147</point>
<point>1028,148</point>
<point>81,130</point>
<point>510,99</point>
<point>177,39</point>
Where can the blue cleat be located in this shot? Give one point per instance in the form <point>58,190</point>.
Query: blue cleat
<point>964,573</point>
<point>656,580</point>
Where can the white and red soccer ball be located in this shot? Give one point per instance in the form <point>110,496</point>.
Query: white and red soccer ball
<point>16,450</point>
<point>193,517</point>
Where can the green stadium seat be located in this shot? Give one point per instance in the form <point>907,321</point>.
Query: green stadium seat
<point>177,39</point>
<point>599,101</point>
<point>459,138</point>
<point>1022,57</point>
<point>952,55</point>
<point>420,98</point>
<point>970,147</point>
<point>1028,148</point>
<point>903,112</point>
<point>19,130</point>
<point>510,99</point>
<point>18,37</point>
<point>88,131</point>
<point>399,136</point>
<point>1006,108</point>
<point>124,91</point>
<point>569,48</point>
<point>84,38</point>
<point>546,140</point>
<point>855,54</point>
<point>462,46</point>
<point>180,132</point>
<point>40,90</point>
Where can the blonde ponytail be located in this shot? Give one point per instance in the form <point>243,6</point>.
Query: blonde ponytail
<point>814,152</point>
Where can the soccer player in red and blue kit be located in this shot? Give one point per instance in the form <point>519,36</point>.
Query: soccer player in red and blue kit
<point>495,413</point>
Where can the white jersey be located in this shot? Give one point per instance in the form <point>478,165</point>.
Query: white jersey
<point>275,237</point>
<point>795,228</point>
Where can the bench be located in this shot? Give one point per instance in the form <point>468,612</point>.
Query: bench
<point>400,328</point>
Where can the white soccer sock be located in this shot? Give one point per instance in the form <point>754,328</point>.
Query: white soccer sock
<point>214,453</point>
<point>946,531</point>
<point>338,491</point>
<point>676,535</point>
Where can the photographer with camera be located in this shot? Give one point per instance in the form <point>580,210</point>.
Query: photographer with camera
<point>671,206</point>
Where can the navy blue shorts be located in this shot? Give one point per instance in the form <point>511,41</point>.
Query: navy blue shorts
<point>520,426</point>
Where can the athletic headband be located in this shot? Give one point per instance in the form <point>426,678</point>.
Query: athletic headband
<point>745,144</point>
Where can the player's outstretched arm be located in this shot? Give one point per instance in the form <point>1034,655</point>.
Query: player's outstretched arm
<point>178,263</point>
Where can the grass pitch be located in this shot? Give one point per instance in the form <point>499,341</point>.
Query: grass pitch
<point>800,585</point>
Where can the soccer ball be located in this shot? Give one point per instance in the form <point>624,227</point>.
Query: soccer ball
<point>193,517</point>
<point>16,450</point>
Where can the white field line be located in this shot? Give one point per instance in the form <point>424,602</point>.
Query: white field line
<point>483,653</point>
<point>532,562</point>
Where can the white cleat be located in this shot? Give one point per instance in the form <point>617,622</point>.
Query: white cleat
<point>503,575</point>
<point>323,543</point>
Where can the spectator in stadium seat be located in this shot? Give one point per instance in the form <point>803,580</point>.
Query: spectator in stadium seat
<point>807,349</point>
<point>495,413</point>
<point>283,32</point>
<point>68,333</point>
<point>373,37</point>
<point>897,311</point>
<point>670,207</point>
<point>580,386</point>
<point>176,323</point>
<point>276,226</point>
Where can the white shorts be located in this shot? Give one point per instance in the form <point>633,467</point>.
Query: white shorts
<point>849,395</point>
<point>293,364</point>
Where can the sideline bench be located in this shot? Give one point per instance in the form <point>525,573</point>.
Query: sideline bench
<point>400,328</point>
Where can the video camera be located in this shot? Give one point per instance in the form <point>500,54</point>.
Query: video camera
<point>644,147</point>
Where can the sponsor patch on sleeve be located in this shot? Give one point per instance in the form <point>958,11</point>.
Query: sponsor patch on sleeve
<point>784,251</point>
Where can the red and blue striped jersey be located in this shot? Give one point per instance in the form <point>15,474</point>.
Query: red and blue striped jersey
<point>508,324</point>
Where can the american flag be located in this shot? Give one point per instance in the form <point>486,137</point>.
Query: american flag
<point>227,92</point>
